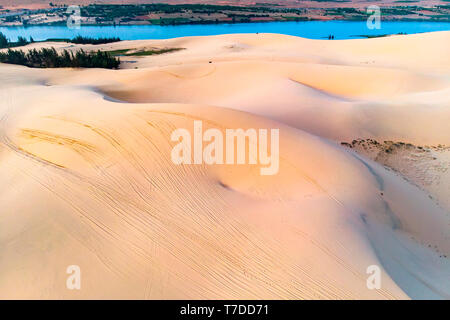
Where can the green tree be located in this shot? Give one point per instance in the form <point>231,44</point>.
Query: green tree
<point>21,41</point>
<point>3,41</point>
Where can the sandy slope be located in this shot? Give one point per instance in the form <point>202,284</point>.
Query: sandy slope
<point>88,180</point>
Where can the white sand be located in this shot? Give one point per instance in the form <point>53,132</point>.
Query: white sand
<point>87,181</point>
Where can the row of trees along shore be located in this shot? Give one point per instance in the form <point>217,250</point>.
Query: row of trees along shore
<point>50,58</point>
<point>21,41</point>
<point>86,40</point>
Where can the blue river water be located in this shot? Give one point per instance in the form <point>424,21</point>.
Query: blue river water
<point>306,29</point>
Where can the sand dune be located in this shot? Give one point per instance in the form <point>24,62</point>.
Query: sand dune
<point>87,176</point>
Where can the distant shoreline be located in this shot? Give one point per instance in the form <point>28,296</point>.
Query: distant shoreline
<point>59,24</point>
<point>163,14</point>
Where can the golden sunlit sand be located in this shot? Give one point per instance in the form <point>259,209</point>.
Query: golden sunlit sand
<point>87,177</point>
